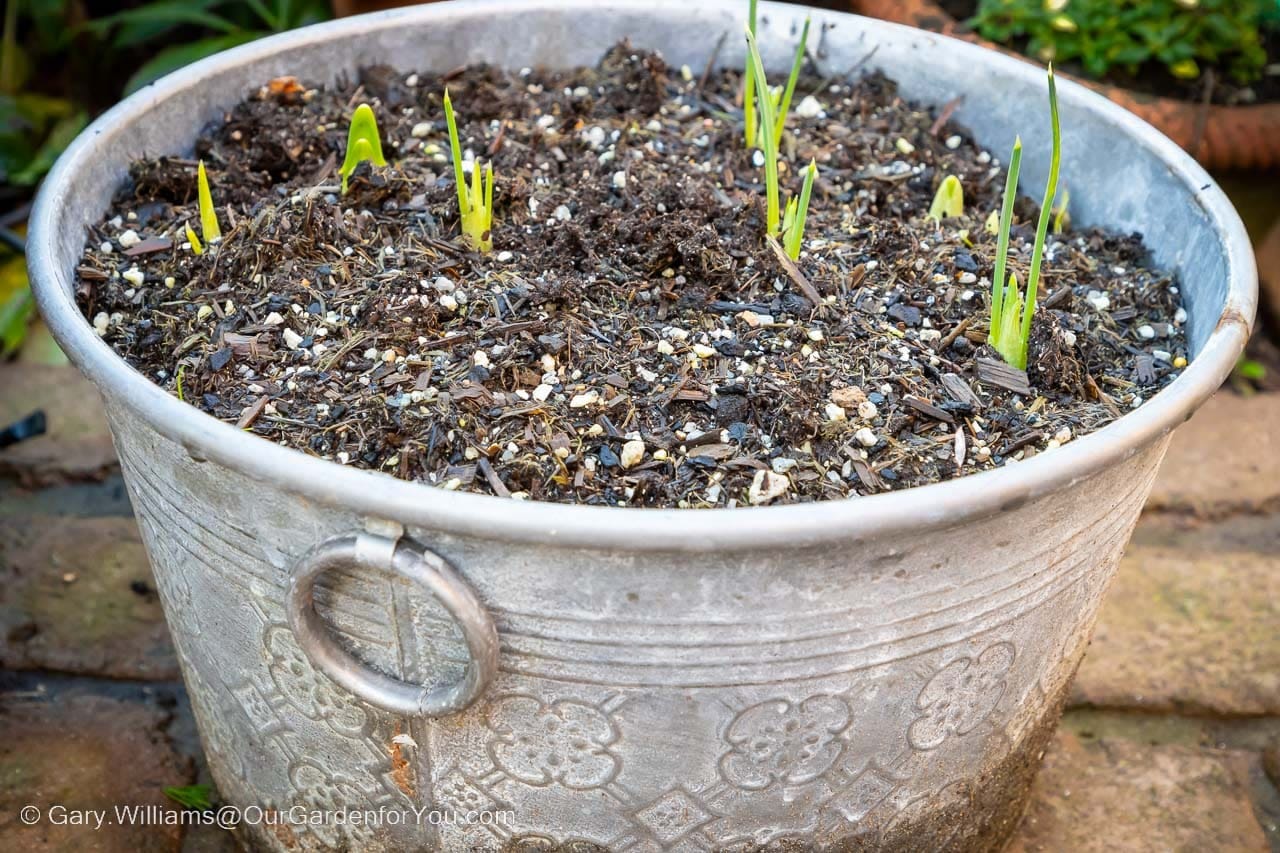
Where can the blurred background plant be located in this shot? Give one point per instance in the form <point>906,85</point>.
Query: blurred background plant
<point>64,61</point>
<point>1131,36</point>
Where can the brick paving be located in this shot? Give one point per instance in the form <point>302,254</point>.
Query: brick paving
<point>1172,740</point>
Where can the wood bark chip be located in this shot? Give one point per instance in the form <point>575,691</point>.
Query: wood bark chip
<point>1000,374</point>
<point>794,273</point>
<point>924,407</point>
<point>960,391</point>
<point>149,245</point>
<point>251,414</point>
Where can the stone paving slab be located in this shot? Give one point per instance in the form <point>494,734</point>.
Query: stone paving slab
<point>1225,460</point>
<point>76,596</point>
<point>1116,796</point>
<point>1191,622</point>
<point>77,445</point>
<point>85,751</point>
<point>1254,738</point>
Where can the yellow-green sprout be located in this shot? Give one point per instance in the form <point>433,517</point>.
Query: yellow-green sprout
<point>363,143</point>
<point>797,210</point>
<point>475,204</point>
<point>1062,215</point>
<point>948,201</point>
<point>208,216</point>
<point>194,241</point>
<point>1011,311</point>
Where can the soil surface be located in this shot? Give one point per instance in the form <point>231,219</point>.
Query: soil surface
<point>633,339</point>
<point>1154,79</point>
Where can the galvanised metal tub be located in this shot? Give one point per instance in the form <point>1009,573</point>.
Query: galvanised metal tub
<point>880,672</point>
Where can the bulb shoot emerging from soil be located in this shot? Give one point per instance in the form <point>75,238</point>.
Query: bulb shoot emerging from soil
<point>797,210</point>
<point>1011,313</point>
<point>363,144</point>
<point>475,203</point>
<point>1062,215</point>
<point>791,226</point>
<point>208,216</point>
<point>948,201</point>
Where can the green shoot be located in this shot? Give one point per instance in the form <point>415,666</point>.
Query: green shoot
<point>780,99</point>
<point>194,241</point>
<point>1011,313</point>
<point>363,143</point>
<point>1062,216</point>
<point>749,84</point>
<point>208,216</point>
<point>475,204</point>
<point>1005,302</point>
<point>769,145</point>
<point>797,210</point>
<point>948,201</point>
<point>190,796</point>
<point>998,280</point>
<point>792,226</point>
<point>784,104</point>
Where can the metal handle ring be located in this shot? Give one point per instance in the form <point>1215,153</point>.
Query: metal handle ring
<point>424,568</point>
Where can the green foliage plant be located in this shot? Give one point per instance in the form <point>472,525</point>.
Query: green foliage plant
<point>179,32</point>
<point>1105,36</point>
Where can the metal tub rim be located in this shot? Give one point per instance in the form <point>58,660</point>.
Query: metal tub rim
<point>378,495</point>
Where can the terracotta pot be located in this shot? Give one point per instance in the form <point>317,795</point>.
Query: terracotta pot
<point>347,8</point>
<point>1220,137</point>
<point>1269,278</point>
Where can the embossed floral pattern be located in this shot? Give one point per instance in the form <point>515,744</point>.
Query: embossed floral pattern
<point>319,792</point>
<point>456,792</point>
<point>307,690</point>
<point>564,742</point>
<point>222,741</point>
<point>778,741</point>
<point>960,696</point>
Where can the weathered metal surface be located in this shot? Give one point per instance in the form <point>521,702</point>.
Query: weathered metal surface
<point>853,672</point>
